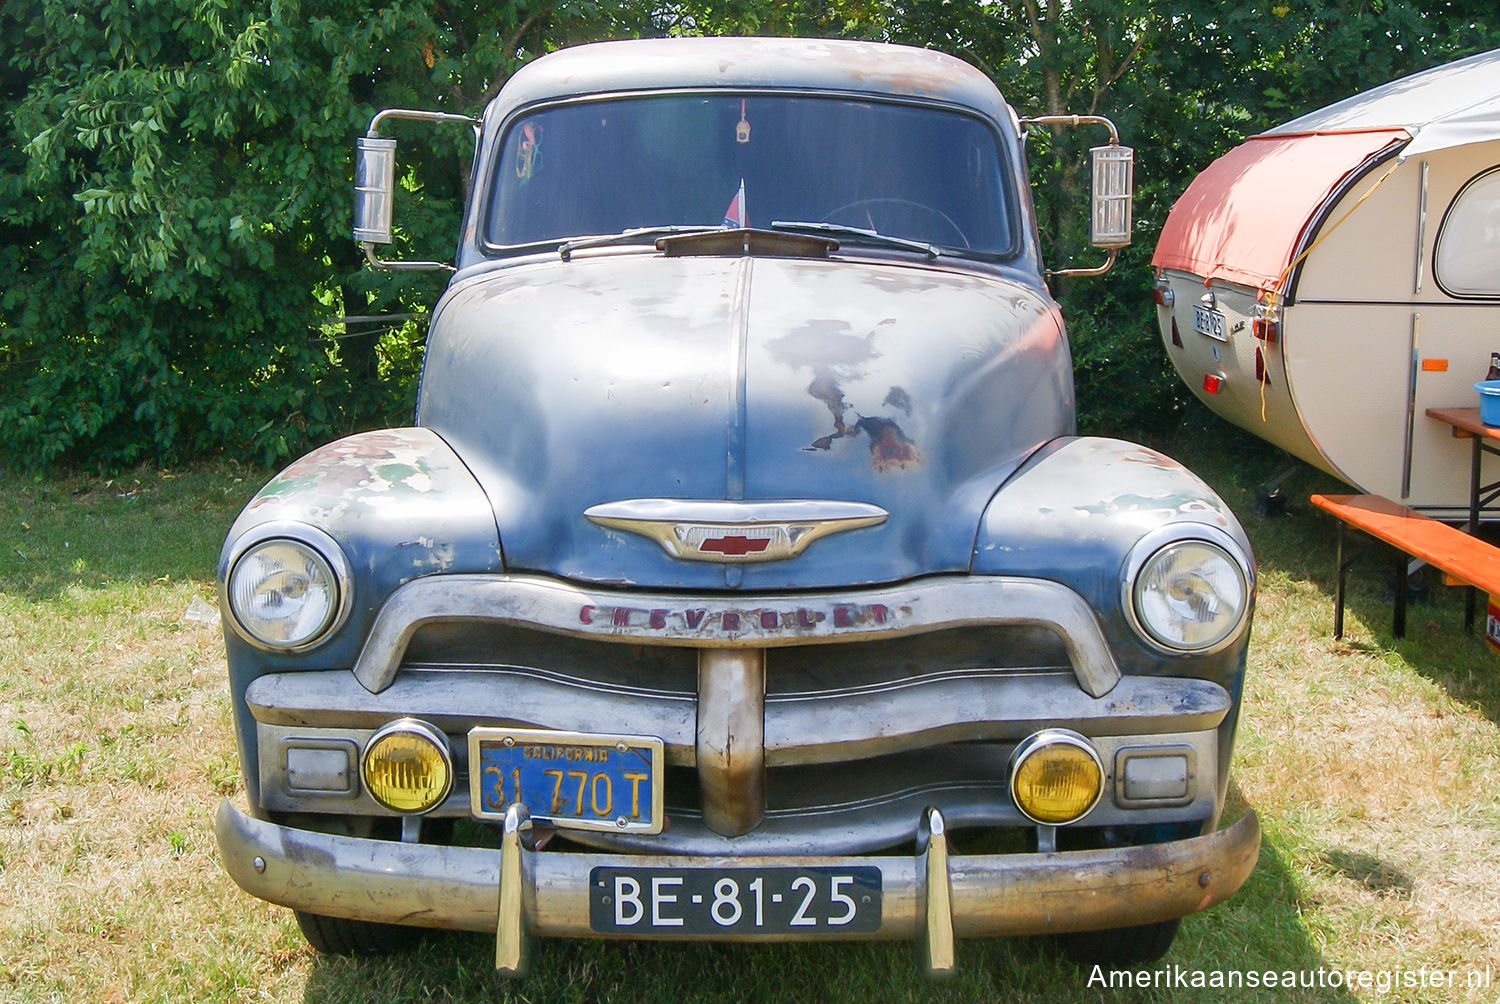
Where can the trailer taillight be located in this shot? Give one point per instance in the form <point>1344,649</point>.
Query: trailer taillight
<point>1212,383</point>
<point>1161,292</point>
<point>1266,324</point>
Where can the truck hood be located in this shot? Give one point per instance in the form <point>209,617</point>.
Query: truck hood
<point>617,380</point>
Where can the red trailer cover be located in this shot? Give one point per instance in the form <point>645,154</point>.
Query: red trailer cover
<point>1242,219</point>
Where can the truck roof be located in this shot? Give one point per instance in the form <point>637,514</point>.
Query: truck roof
<point>783,63</point>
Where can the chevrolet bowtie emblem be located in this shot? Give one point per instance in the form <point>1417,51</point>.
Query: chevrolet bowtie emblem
<point>734,532</point>
<point>735,546</point>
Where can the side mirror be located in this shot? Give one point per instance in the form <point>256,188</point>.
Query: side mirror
<point>375,186</point>
<point>1112,190</point>
<point>374,189</point>
<point>1113,169</point>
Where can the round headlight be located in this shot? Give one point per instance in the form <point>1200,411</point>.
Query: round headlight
<point>1190,596</point>
<point>283,594</point>
<point>1056,777</point>
<point>407,766</point>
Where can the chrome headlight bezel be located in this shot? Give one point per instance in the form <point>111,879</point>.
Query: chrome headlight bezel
<point>424,732</point>
<point>327,558</point>
<point>1159,545</point>
<point>1037,744</point>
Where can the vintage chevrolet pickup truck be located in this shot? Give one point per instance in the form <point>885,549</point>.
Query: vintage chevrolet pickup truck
<point>742,575</point>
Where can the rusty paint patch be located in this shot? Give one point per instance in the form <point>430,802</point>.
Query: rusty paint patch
<point>358,470</point>
<point>889,447</point>
<point>825,389</point>
<point>835,355</point>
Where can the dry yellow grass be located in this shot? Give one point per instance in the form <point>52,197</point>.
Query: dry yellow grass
<point>116,749</point>
<point>1384,786</point>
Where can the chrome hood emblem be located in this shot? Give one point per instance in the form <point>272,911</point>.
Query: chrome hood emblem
<point>734,532</point>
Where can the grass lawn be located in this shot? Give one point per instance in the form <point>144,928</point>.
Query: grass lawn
<point>1374,764</point>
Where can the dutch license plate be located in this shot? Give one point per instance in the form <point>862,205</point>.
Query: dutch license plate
<point>1209,322</point>
<point>572,780</point>
<point>719,901</point>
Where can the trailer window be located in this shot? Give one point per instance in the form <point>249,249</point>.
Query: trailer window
<point>1468,245</point>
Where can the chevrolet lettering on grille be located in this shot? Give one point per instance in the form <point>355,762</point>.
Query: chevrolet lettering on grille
<point>763,621</point>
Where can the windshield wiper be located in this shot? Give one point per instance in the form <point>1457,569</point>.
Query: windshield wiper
<point>640,235</point>
<point>859,235</point>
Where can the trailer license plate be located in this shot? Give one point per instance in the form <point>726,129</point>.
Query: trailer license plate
<point>572,780</point>
<point>735,901</point>
<point>1209,322</point>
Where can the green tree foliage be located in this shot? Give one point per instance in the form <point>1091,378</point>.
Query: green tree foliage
<point>174,221</point>
<point>174,191</point>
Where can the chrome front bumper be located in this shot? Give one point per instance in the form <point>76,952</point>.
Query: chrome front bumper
<point>518,892</point>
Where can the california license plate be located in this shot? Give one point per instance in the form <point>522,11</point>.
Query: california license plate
<point>735,901</point>
<point>1209,322</point>
<point>588,781</point>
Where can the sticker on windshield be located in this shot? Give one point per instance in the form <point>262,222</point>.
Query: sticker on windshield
<point>529,156</point>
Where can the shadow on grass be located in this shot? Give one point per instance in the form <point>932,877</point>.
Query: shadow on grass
<point>1435,645</point>
<point>1375,874</point>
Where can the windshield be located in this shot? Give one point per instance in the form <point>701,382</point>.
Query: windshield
<point>919,173</point>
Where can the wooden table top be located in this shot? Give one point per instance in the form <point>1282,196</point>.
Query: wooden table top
<point>1465,422</point>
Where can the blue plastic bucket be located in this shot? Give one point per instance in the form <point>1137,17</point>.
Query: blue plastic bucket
<point>1489,401</point>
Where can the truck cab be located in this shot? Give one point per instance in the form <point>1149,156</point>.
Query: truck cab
<point>742,575</point>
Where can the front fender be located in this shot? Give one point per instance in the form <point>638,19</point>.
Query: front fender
<point>398,502</point>
<point>1073,512</point>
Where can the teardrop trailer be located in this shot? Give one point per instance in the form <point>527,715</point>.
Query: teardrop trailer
<point>1326,282</point>
<point>742,563</point>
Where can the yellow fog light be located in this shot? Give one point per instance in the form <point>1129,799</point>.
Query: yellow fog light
<point>407,767</point>
<point>1056,777</point>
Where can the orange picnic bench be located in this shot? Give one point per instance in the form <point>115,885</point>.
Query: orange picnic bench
<point>1462,556</point>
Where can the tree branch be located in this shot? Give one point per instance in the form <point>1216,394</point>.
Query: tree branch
<point>510,46</point>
